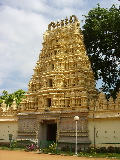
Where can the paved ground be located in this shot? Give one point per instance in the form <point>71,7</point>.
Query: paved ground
<point>22,155</point>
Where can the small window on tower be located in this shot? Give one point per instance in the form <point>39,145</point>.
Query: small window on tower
<point>52,66</point>
<point>50,84</point>
<point>48,102</point>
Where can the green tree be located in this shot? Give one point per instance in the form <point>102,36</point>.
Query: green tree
<point>1,101</point>
<point>10,98</point>
<point>19,95</point>
<point>4,95</point>
<point>102,39</point>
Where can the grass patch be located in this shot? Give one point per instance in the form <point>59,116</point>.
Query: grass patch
<point>11,149</point>
<point>99,155</point>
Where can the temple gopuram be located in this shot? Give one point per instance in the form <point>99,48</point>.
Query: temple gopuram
<point>62,87</point>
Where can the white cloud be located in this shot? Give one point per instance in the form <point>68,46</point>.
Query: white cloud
<point>20,41</point>
<point>27,5</point>
<point>67,3</point>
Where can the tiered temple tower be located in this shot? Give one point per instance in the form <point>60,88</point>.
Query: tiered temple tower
<point>62,86</point>
<point>62,76</point>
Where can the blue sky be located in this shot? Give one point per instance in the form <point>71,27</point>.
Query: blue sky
<point>22,25</point>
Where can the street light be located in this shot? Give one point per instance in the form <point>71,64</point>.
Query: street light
<point>76,118</point>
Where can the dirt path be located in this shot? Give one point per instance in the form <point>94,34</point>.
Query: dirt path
<point>21,155</point>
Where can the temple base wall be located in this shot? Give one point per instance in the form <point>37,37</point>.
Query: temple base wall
<point>8,125</point>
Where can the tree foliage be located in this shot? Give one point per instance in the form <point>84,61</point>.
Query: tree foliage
<point>10,98</point>
<point>19,95</point>
<point>102,39</point>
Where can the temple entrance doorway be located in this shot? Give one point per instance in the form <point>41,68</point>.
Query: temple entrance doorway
<point>51,132</point>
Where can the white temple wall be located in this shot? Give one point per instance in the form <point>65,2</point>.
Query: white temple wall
<point>8,125</point>
<point>104,132</point>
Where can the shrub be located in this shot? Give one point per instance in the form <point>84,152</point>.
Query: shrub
<point>52,148</point>
<point>14,144</point>
<point>111,149</point>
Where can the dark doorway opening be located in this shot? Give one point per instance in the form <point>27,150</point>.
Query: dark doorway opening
<point>50,83</point>
<point>51,132</point>
<point>48,102</point>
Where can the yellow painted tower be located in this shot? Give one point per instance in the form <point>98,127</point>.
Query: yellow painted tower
<point>62,76</point>
<point>62,86</point>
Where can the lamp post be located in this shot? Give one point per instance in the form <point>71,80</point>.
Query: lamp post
<point>76,119</point>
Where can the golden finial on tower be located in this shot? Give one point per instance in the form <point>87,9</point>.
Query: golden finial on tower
<point>62,22</point>
<point>66,21</point>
